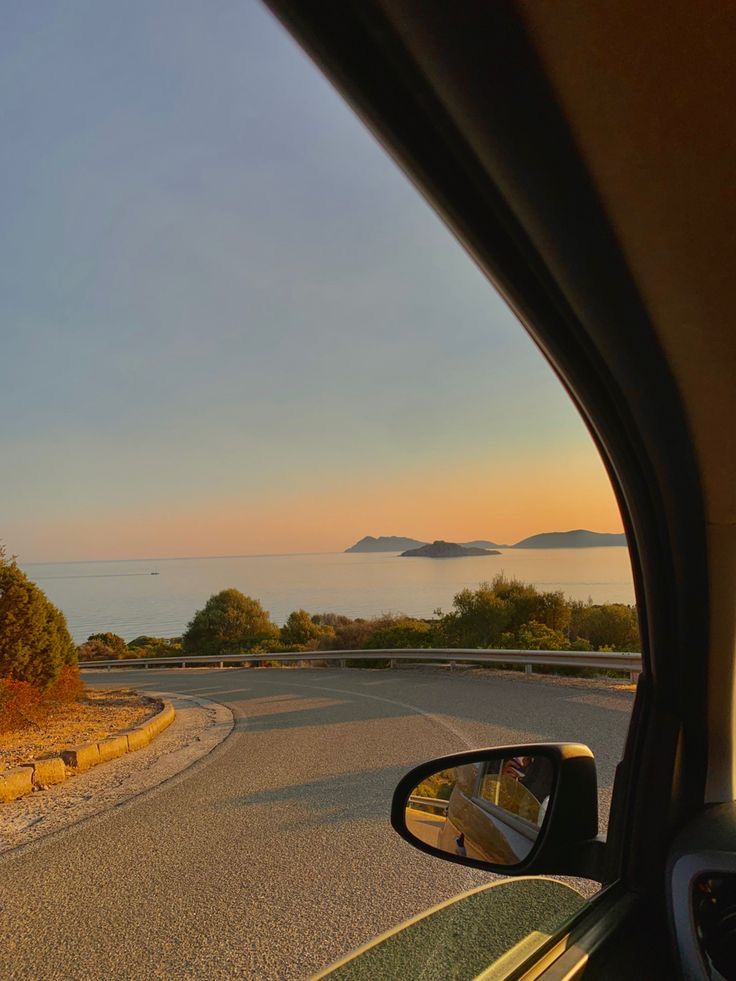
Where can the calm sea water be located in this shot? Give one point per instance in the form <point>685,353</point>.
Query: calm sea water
<point>124,597</point>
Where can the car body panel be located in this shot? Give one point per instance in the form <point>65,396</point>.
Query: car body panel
<point>489,929</point>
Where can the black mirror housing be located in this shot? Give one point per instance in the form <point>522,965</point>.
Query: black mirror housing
<point>566,841</point>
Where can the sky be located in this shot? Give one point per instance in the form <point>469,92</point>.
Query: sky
<point>230,325</point>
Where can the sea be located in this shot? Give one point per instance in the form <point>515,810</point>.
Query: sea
<point>158,597</point>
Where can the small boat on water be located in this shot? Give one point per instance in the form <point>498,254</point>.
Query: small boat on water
<point>155,573</point>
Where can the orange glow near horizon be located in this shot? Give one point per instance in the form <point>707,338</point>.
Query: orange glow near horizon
<point>504,505</point>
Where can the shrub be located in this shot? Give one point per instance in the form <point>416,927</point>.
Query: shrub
<point>402,632</point>
<point>347,634</point>
<point>34,641</point>
<point>23,704</point>
<point>300,628</point>
<point>104,647</point>
<point>67,688</point>
<point>96,649</point>
<point>611,625</point>
<point>508,613</point>
<point>145,646</point>
<point>229,623</point>
<point>534,636</point>
<point>482,616</point>
<point>113,642</point>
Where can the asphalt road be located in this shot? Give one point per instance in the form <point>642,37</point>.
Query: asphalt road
<point>273,855</point>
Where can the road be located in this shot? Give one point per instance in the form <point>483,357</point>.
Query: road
<point>273,856</point>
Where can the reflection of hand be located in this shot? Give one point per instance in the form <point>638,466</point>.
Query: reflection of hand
<point>515,767</point>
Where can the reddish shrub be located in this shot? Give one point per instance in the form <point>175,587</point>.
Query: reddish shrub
<point>68,687</point>
<point>23,704</point>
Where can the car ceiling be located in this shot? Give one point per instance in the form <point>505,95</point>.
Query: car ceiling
<point>647,91</point>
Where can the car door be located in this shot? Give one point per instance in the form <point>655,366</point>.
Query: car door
<point>482,105</point>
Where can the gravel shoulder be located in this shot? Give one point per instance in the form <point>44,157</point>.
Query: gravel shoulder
<point>200,725</point>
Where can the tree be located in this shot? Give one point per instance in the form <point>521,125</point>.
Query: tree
<point>114,644</point>
<point>535,636</point>
<point>301,629</point>
<point>479,618</point>
<point>404,632</point>
<point>95,649</point>
<point>229,623</point>
<point>34,640</point>
<point>612,625</point>
<point>145,646</point>
<point>482,617</point>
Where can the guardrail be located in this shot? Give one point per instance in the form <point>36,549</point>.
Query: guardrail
<point>602,660</point>
<point>436,802</point>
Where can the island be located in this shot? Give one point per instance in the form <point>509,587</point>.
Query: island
<point>397,543</point>
<point>580,538</point>
<point>445,550</point>
<point>384,543</point>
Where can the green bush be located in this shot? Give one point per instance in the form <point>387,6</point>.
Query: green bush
<point>611,625</point>
<point>506,613</point>
<point>482,616</point>
<point>34,641</point>
<point>534,636</point>
<point>229,623</point>
<point>301,628</point>
<point>145,646</point>
<point>95,649</point>
<point>403,632</point>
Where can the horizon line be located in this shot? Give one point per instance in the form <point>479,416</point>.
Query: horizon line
<point>258,555</point>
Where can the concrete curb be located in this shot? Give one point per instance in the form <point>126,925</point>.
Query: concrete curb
<point>22,780</point>
<point>15,783</point>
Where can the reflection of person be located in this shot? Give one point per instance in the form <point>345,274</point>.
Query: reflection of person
<point>515,767</point>
<point>460,848</point>
<point>532,772</point>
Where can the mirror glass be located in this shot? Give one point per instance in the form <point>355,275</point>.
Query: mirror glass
<point>491,809</point>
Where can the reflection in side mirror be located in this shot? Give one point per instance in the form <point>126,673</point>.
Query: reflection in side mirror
<point>491,809</point>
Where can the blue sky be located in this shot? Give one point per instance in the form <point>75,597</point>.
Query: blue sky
<point>229,322</point>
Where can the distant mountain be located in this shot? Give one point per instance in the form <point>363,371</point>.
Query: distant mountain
<point>480,543</point>
<point>445,550</point>
<point>571,539</point>
<point>384,543</point>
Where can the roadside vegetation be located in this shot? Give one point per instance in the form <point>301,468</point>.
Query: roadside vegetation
<point>38,659</point>
<point>501,614</point>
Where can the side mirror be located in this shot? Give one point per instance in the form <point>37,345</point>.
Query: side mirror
<point>512,809</point>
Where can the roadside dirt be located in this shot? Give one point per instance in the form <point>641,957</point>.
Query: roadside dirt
<point>200,725</point>
<point>99,713</point>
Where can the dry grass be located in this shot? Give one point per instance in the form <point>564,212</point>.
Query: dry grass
<point>94,716</point>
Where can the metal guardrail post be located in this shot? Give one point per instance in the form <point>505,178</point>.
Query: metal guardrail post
<point>342,662</point>
<point>392,663</point>
<point>527,669</point>
<point>222,664</point>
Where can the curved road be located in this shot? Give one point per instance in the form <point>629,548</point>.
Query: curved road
<point>273,855</point>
